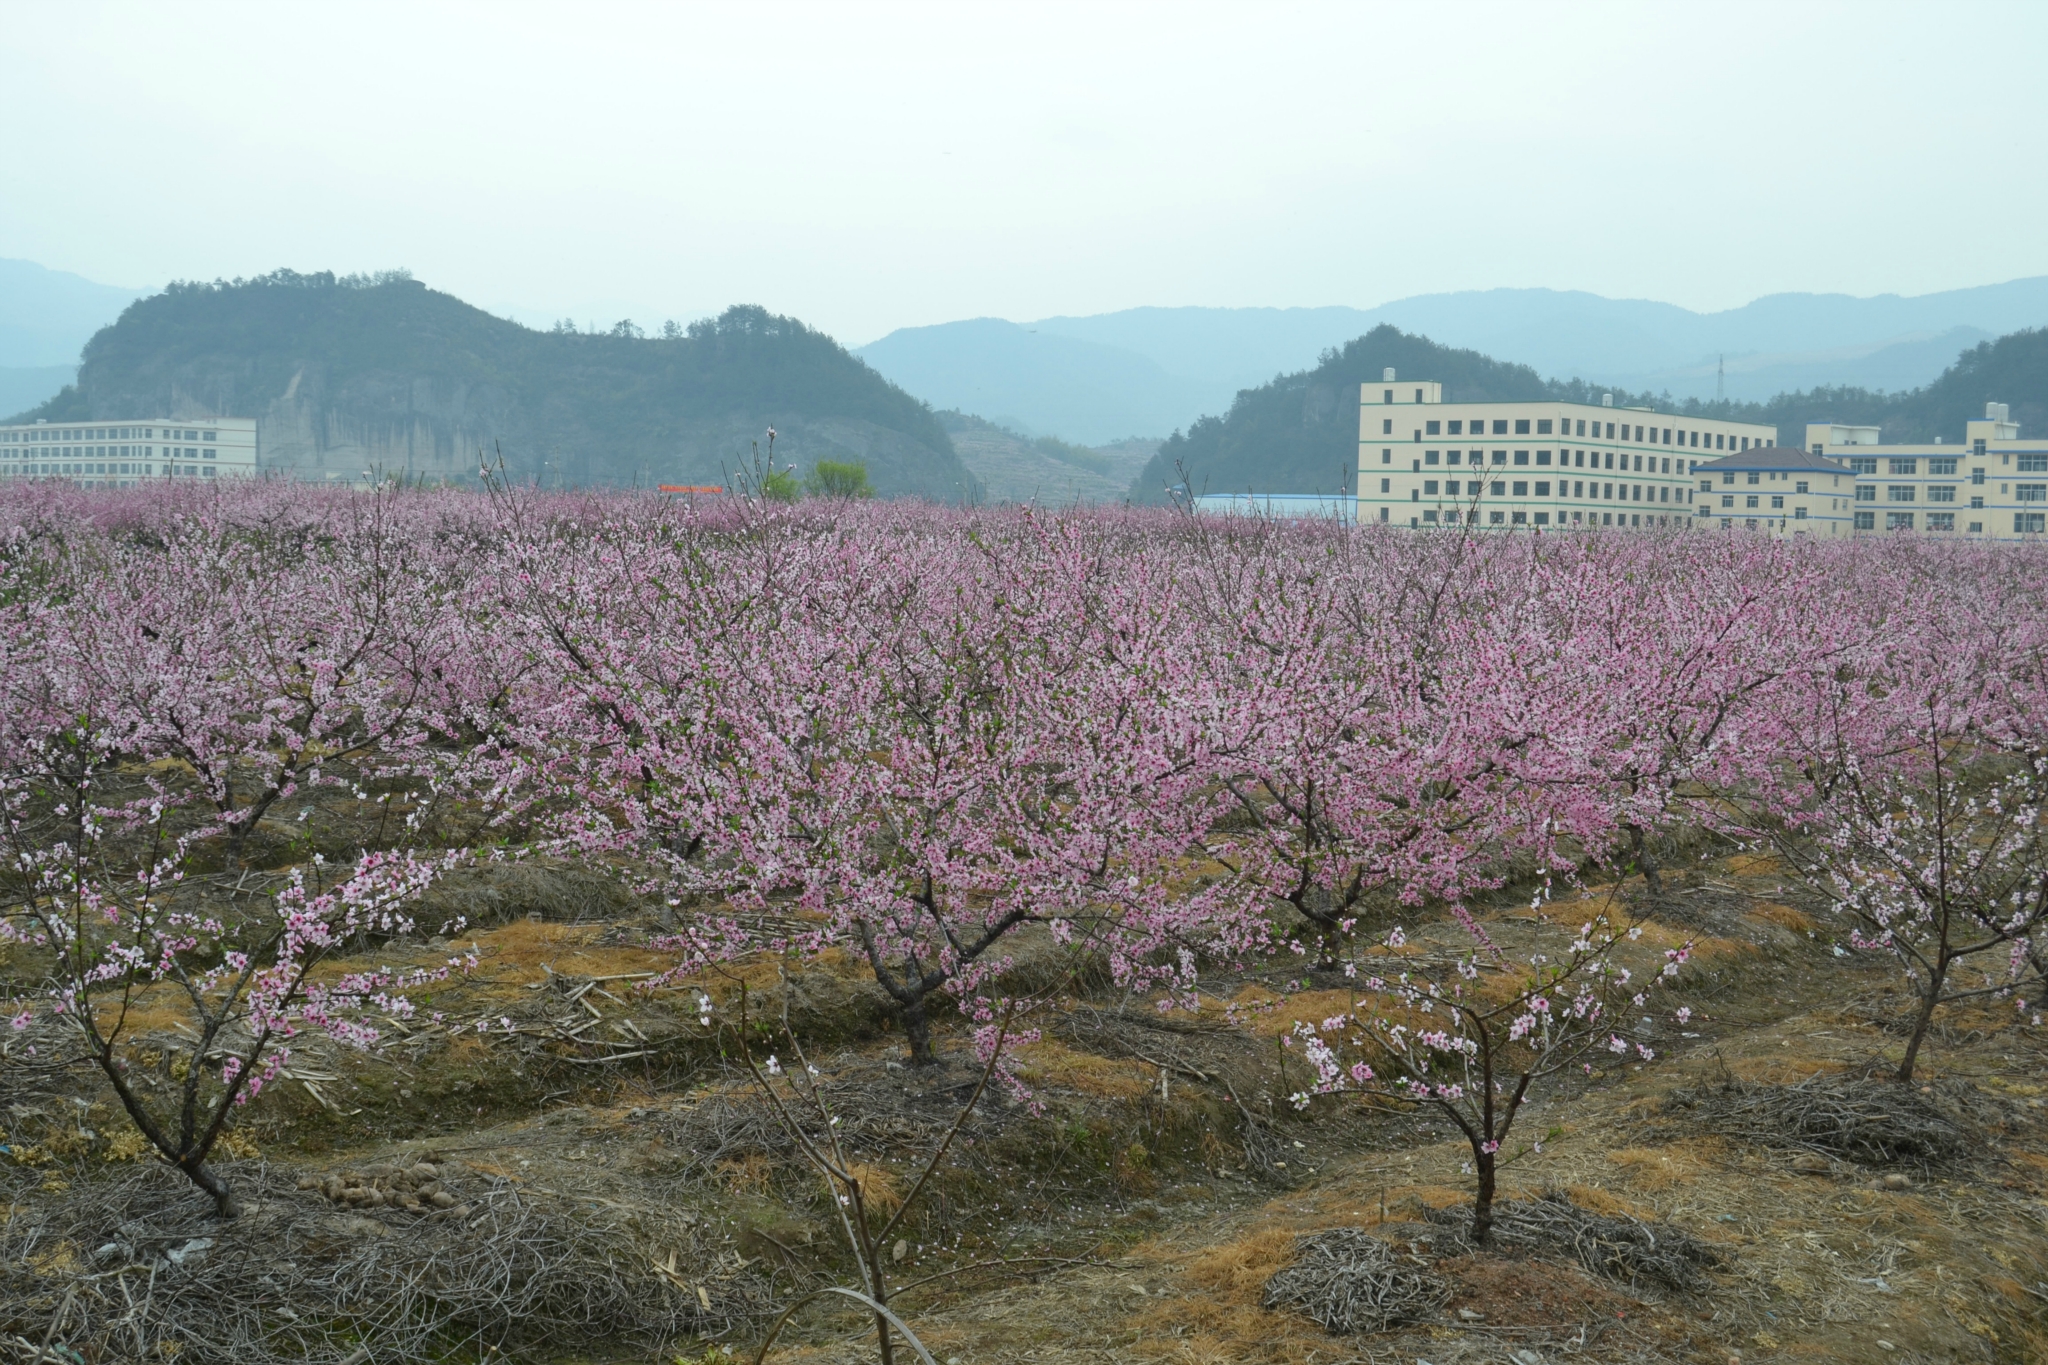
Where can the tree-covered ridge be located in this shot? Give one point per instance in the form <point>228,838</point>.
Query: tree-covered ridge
<point>1299,434</point>
<point>382,354</point>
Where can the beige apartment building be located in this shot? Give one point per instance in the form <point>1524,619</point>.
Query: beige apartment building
<point>1424,462</point>
<point>1776,490</point>
<point>108,454</point>
<point>1992,486</point>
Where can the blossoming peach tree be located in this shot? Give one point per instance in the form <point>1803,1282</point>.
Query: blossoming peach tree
<point>1476,1043</point>
<point>159,696</point>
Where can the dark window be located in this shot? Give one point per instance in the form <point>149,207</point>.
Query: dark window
<point>1500,490</point>
<point>1521,457</point>
<point>1542,490</point>
<point>1456,428</point>
<point>1429,457</point>
<point>1429,487</point>
<point>1432,428</point>
<point>1521,426</point>
<point>1542,457</point>
<point>1543,426</point>
<point>1500,457</point>
<point>1500,426</point>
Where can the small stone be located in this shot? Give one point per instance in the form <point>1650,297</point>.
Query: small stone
<point>1895,1181</point>
<point>900,1250</point>
<point>309,1182</point>
<point>1468,1315</point>
<point>1810,1163</point>
<point>425,1170</point>
<point>441,1199</point>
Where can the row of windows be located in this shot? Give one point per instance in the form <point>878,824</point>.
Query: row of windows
<point>109,453</point>
<point>1757,476</point>
<point>1473,488</point>
<point>1637,520</point>
<point>34,435</point>
<point>1544,427</point>
<point>1575,459</point>
<point>1777,501</point>
<point>2022,522</point>
<point>1938,466</point>
<point>75,471</point>
<point>1907,464</point>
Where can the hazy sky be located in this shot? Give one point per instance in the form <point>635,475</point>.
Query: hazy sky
<point>870,166</point>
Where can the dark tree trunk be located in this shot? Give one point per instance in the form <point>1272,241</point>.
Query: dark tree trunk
<point>1647,861</point>
<point>1923,1019</point>
<point>917,1031</point>
<point>225,1205</point>
<point>1482,1203</point>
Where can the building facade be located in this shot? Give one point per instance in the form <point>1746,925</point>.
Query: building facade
<point>108,454</point>
<point>1777,490</point>
<point>1992,486</point>
<point>1424,462</point>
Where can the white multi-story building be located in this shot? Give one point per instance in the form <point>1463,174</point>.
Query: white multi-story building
<point>1782,492</point>
<point>107,454</point>
<point>1992,486</point>
<point>1425,462</point>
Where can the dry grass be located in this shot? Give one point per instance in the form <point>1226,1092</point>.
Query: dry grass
<point>1813,1266</point>
<point>1053,1065</point>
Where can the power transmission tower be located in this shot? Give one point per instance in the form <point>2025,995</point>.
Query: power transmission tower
<point>1721,377</point>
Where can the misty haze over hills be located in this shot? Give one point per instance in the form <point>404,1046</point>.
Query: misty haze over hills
<point>1145,372</point>
<point>1095,379</point>
<point>46,317</point>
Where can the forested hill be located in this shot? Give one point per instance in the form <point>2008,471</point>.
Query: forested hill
<point>1299,434</point>
<point>351,373</point>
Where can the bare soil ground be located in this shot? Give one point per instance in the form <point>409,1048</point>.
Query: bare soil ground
<point>617,1191</point>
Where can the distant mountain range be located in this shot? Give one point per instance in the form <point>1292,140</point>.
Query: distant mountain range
<point>386,374</point>
<point>1152,370</point>
<point>46,317</point>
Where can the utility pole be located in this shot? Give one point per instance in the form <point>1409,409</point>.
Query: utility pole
<point>1721,377</point>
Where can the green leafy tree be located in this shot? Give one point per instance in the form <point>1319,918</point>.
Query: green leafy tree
<point>838,479</point>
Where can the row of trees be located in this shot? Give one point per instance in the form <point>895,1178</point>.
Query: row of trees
<point>919,734</point>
